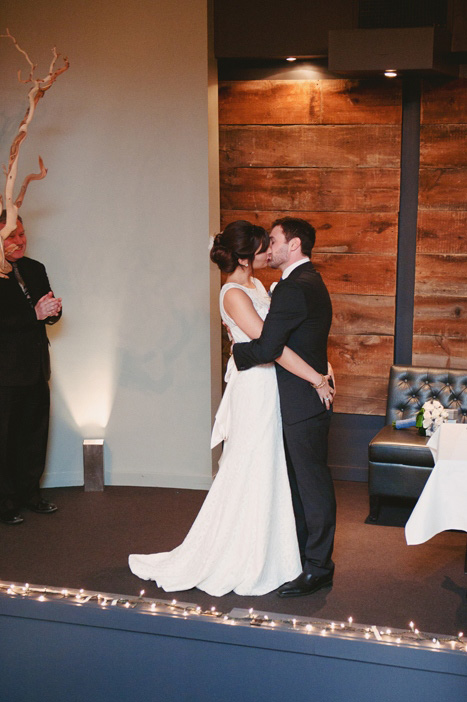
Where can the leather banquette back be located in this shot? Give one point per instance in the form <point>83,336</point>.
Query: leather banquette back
<point>411,386</point>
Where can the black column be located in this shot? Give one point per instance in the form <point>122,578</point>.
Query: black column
<point>407,225</point>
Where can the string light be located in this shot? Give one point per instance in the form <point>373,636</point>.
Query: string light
<point>79,597</point>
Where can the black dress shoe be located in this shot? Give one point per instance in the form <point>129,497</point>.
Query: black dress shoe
<point>305,584</point>
<point>42,507</point>
<point>11,517</point>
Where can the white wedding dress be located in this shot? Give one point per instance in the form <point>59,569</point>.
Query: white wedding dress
<point>244,537</point>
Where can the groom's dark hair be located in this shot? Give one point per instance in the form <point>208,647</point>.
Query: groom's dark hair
<point>296,227</point>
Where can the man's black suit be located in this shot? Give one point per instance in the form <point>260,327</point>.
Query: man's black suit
<point>24,390</point>
<point>300,318</point>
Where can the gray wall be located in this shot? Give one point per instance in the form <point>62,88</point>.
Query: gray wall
<point>122,223</point>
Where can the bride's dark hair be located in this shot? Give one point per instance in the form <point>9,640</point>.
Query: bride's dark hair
<point>240,239</point>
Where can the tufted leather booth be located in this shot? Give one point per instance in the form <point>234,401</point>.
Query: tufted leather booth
<point>399,461</point>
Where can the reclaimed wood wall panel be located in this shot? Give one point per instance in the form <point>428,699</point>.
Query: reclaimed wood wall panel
<point>442,231</point>
<point>328,189</point>
<point>307,146</point>
<point>440,305</point>
<point>351,274</point>
<point>442,188</point>
<point>269,102</point>
<point>370,101</point>
<point>443,146</point>
<point>358,362</point>
<point>310,102</point>
<point>363,314</point>
<point>439,351</point>
<point>444,102</point>
<point>441,274</point>
<point>327,151</point>
<point>440,315</point>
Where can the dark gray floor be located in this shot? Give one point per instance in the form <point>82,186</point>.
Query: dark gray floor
<point>379,579</point>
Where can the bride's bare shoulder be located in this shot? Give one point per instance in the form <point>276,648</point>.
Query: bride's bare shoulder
<point>236,299</point>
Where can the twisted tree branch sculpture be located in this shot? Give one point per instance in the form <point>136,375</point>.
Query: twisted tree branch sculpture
<point>38,89</point>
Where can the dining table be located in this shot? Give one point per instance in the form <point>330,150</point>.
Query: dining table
<point>442,504</point>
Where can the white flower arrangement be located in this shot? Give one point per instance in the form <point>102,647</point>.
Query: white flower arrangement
<point>434,414</point>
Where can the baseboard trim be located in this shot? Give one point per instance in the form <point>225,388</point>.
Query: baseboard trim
<point>163,480</point>
<point>355,473</point>
<point>183,482</point>
<point>69,479</point>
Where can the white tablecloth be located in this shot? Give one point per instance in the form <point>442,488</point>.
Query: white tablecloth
<point>443,502</point>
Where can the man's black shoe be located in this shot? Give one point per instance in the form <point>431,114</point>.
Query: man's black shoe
<point>305,584</point>
<point>11,517</point>
<point>42,507</point>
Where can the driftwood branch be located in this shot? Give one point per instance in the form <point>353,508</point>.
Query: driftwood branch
<point>38,88</point>
<point>27,180</point>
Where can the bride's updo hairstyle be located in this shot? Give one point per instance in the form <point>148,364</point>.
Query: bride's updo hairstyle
<point>239,240</point>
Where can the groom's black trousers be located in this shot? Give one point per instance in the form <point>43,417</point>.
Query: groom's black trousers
<point>306,448</point>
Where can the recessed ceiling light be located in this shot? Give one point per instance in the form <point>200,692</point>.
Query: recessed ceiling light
<point>390,73</point>
<point>291,58</point>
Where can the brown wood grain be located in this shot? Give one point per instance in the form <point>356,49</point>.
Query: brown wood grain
<point>361,365</point>
<point>444,102</point>
<point>442,188</point>
<point>363,314</point>
<point>443,146</point>
<point>269,102</point>
<point>336,232</point>
<point>369,101</point>
<point>441,315</point>
<point>442,231</point>
<point>439,351</point>
<point>441,274</point>
<point>366,355</point>
<point>357,273</point>
<point>367,396</point>
<point>310,146</point>
<point>366,189</point>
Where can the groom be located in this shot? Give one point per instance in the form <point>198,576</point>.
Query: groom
<point>300,318</point>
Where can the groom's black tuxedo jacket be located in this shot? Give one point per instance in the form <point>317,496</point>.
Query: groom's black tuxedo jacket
<point>300,318</point>
<point>24,352</point>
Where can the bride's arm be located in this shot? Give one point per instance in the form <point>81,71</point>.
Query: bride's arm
<point>240,308</point>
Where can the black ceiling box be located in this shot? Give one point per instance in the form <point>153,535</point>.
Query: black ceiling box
<point>366,51</point>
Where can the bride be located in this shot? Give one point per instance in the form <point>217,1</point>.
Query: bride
<point>244,537</point>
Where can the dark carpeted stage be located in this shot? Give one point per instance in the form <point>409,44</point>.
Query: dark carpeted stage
<point>379,579</point>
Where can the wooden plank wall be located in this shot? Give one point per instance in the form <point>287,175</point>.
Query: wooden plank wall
<point>327,151</point>
<point>440,315</point>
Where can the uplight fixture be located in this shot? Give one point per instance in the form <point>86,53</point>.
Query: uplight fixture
<point>390,73</point>
<point>93,463</point>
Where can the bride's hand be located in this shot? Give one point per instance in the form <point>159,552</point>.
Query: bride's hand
<point>326,393</point>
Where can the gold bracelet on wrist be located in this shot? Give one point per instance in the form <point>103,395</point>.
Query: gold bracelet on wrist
<point>321,384</point>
